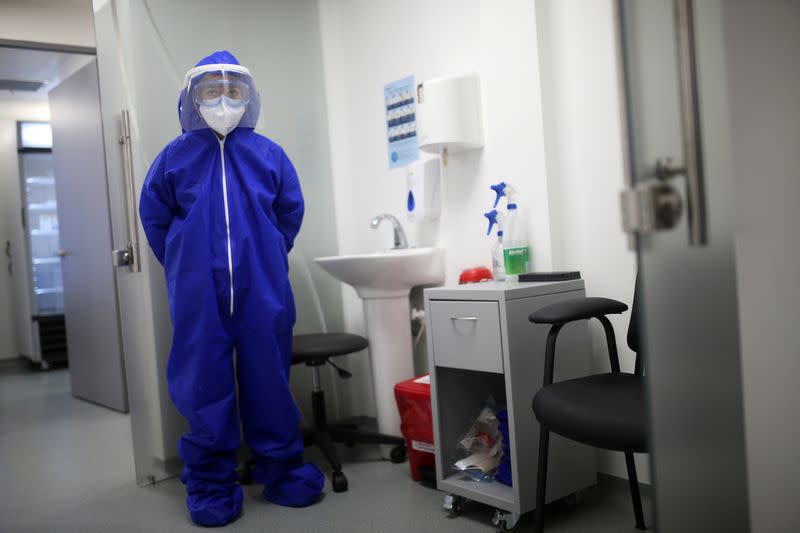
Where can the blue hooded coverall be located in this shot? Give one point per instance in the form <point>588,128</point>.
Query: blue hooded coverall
<point>225,293</point>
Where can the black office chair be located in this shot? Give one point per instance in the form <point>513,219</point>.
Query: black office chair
<point>603,410</point>
<point>315,350</point>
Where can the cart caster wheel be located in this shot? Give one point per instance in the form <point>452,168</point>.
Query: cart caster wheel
<point>454,504</point>
<point>339,482</point>
<point>44,365</point>
<point>398,454</point>
<point>505,520</point>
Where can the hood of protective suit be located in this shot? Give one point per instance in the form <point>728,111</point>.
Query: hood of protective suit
<point>221,66</point>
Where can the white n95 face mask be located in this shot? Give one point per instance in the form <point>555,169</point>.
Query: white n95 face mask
<point>223,117</point>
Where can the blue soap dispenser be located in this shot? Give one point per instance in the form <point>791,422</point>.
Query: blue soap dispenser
<point>423,197</point>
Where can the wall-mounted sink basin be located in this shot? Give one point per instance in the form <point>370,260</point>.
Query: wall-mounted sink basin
<point>384,281</point>
<point>387,274</point>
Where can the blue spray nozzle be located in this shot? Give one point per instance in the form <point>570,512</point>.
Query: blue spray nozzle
<point>499,190</point>
<point>492,216</point>
<point>496,217</point>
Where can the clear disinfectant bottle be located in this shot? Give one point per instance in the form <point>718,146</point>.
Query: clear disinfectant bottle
<point>498,260</point>
<point>516,250</point>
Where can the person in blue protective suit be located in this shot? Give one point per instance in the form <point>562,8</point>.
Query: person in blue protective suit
<point>221,206</point>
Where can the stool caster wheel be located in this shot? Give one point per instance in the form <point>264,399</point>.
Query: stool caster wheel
<point>398,454</point>
<point>339,482</point>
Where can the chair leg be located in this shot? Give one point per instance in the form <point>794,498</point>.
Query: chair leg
<point>351,427</point>
<point>325,443</point>
<point>634,483</point>
<point>308,437</point>
<point>541,479</point>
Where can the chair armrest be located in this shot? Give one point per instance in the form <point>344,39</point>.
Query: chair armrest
<point>577,309</point>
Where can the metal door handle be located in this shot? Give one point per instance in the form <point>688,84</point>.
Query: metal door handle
<point>650,206</point>
<point>62,253</point>
<point>692,134</point>
<point>128,256</point>
<point>465,318</point>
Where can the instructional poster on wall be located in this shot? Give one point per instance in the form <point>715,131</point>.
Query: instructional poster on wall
<point>401,122</point>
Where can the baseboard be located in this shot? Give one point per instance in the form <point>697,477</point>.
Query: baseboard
<point>14,365</point>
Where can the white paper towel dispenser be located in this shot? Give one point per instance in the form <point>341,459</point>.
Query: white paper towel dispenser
<point>449,115</point>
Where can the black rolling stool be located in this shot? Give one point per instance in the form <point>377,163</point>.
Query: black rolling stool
<point>315,350</point>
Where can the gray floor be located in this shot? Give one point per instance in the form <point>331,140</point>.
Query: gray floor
<point>66,465</point>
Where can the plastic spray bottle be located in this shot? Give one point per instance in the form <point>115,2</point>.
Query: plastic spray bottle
<point>498,261</point>
<point>515,239</point>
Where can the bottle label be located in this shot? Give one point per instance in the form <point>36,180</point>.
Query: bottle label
<point>516,260</point>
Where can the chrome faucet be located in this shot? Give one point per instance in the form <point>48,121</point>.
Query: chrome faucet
<point>399,235</point>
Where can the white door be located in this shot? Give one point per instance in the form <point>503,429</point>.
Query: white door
<point>97,371</point>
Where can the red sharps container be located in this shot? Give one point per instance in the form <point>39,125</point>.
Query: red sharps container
<point>414,403</point>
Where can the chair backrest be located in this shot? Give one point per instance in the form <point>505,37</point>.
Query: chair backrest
<point>634,340</point>
<point>634,326</point>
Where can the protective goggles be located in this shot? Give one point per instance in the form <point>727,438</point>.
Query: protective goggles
<point>211,89</point>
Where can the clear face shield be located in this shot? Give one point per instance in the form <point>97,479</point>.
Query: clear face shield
<point>220,97</point>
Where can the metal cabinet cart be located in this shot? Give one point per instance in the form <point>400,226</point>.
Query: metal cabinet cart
<point>481,345</point>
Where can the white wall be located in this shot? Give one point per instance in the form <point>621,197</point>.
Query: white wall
<point>367,44</point>
<point>765,135</point>
<point>11,288</point>
<point>60,22</point>
<point>585,168</point>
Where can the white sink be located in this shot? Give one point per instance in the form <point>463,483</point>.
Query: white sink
<point>384,281</point>
<point>387,274</point>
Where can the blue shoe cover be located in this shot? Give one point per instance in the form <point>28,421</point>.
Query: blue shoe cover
<point>299,486</point>
<point>215,509</point>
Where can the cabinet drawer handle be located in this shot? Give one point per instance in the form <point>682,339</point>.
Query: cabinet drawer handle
<point>465,318</point>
